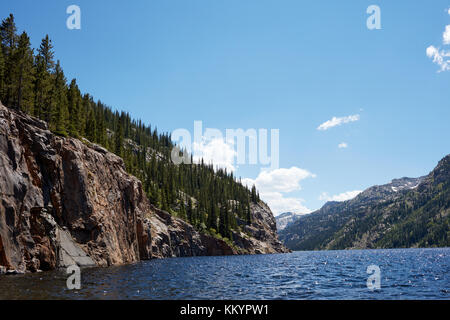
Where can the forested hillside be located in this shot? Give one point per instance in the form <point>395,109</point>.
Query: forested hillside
<point>33,81</point>
<point>408,212</point>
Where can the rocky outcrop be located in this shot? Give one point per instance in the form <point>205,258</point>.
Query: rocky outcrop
<point>261,235</point>
<point>173,237</point>
<point>65,201</point>
<point>55,244</point>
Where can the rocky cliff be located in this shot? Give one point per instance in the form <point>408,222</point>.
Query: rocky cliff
<point>285,219</point>
<point>64,201</point>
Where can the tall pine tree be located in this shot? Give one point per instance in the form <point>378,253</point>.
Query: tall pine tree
<point>9,42</point>
<point>91,126</point>
<point>58,107</point>
<point>74,108</point>
<point>22,75</point>
<point>2,72</point>
<point>118,146</point>
<point>44,67</point>
<point>212,217</point>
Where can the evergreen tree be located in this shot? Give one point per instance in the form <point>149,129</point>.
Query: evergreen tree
<point>58,107</point>
<point>182,213</point>
<point>8,34</point>
<point>248,215</point>
<point>190,212</point>
<point>254,195</point>
<point>212,217</point>
<point>101,129</point>
<point>8,37</point>
<point>164,203</point>
<point>225,221</point>
<point>2,72</point>
<point>26,80</point>
<point>156,196</point>
<point>91,126</point>
<point>85,110</point>
<point>22,75</point>
<point>44,66</point>
<point>118,149</point>
<point>74,108</point>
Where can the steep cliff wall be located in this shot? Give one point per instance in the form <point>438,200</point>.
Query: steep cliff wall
<point>261,235</point>
<point>64,201</point>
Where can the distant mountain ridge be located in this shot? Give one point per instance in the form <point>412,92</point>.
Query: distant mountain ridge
<point>285,219</point>
<point>407,212</point>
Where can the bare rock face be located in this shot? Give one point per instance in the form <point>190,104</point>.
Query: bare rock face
<point>173,237</point>
<point>260,237</point>
<point>58,193</point>
<point>64,202</point>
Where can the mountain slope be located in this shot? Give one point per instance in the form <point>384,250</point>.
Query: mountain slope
<point>286,218</point>
<point>64,201</point>
<point>408,212</point>
<point>210,199</point>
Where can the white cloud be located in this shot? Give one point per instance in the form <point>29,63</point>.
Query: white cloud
<point>342,145</point>
<point>273,185</point>
<point>340,197</point>
<point>439,57</point>
<point>279,203</point>
<point>216,151</point>
<point>337,121</point>
<point>280,180</point>
<point>446,35</point>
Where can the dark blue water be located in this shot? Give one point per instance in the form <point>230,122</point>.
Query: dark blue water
<point>405,274</point>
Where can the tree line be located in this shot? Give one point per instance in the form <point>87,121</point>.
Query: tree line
<point>212,200</point>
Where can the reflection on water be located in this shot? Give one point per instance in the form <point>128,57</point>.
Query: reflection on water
<point>405,274</point>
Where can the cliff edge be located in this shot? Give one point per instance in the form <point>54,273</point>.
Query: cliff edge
<point>64,202</point>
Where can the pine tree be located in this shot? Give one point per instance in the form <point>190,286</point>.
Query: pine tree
<point>68,112</point>
<point>156,196</point>
<point>248,215</point>
<point>212,217</point>
<point>8,34</point>
<point>232,222</point>
<point>8,37</point>
<point>118,149</point>
<point>22,74</point>
<point>58,106</point>
<point>101,129</point>
<point>74,107</point>
<point>2,73</point>
<point>91,126</point>
<point>44,67</point>
<point>182,210</point>
<point>254,195</point>
<point>164,203</point>
<point>224,225</point>
<point>190,212</point>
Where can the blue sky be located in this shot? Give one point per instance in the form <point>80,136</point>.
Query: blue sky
<point>287,65</point>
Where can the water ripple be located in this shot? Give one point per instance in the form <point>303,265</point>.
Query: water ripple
<point>405,274</point>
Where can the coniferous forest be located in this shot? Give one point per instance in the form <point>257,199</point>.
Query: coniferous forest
<point>33,81</point>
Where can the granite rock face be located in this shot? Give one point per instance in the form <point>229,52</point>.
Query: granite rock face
<point>260,237</point>
<point>64,201</point>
